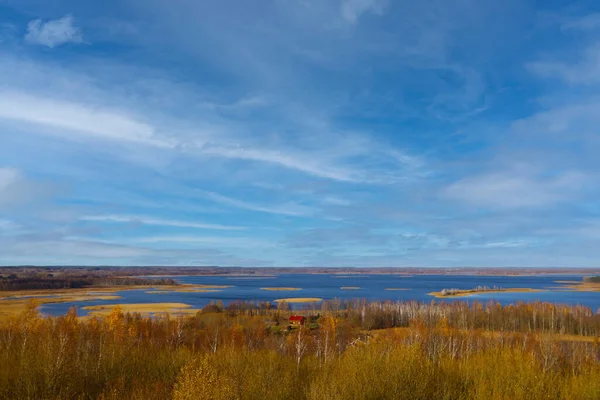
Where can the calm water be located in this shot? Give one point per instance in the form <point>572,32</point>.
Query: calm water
<point>372,287</point>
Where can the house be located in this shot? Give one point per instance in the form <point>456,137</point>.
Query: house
<point>297,320</point>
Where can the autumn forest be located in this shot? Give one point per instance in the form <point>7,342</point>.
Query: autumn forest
<point>345,350</point>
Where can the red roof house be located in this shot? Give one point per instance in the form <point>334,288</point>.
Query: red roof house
<point>297,320</point>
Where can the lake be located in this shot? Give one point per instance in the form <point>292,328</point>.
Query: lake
<point>371,287</point>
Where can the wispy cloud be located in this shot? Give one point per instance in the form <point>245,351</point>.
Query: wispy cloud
<point>291,209</point>
<point>515,189</point>
<point>207,241</point>
<point>586,70</point>
<point>135,219</point>
<point>287,159</point>
<point>53,33</point>
<point>76,108</point>
<point>75,119</point>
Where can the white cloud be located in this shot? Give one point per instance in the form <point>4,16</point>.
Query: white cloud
<point>352,10</point>
<point>73,119</point>
<point>111,103</point>
<point>506,244</point>
<point>53,33</point>
<point>513,189</point>
<point>290,209</point>
<point>157,221</point>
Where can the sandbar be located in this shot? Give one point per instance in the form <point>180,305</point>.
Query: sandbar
<point>280,288</point>
<point>300,300</point>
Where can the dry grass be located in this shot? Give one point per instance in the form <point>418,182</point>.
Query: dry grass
<point>191,288</point>
<point>300,300</point>
<point>14,302</point>
<point>143,308</point>
<point>580,286</point>
<point>12,307</point>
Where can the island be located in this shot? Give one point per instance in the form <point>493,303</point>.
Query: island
<point>446,293</point>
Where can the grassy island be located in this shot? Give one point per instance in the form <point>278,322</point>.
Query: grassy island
<point>445,293</point>
<point>300,300</point>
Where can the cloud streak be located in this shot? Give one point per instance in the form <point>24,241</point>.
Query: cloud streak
<point>74,120</point>
<point>136,219</point>
<point>291,209</point>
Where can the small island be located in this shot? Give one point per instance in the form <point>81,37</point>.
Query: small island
<point>445,293</point>
<point>587,284</point>
<point>300,300</point>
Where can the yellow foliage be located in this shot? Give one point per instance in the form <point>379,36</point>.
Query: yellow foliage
<point>200,380</point>
<point>115,318</point>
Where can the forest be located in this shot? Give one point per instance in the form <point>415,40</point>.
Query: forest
<point>346,350</point>
<point>594,279</point>
<point>35,279</point>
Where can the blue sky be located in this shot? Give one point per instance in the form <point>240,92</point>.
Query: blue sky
<point>361,133</point>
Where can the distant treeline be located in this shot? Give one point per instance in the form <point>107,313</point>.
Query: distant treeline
<point>242,351</point>
<point>13,282</point>
<point>594,279</point>
<point>232,270</point>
